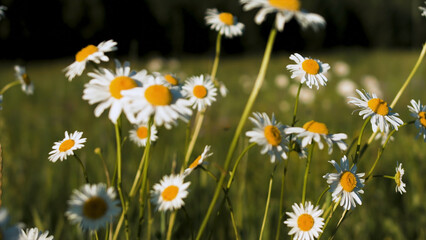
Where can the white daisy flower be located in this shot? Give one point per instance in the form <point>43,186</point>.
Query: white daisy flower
<point>169,78</point>
<point>225,23</point>
<point>381,115</point>
<point>170,192</point>
<point>223,90</point>
<point>305,221</point>
<point>419,112</point>
<point>400,185</point>
<point>2,11</point>
<point>64,148</point>
<point>139,134</point>
<point>423,10</point>
<point>269,134</point>
<point>93,206</point>
<point>7,231</point>
<point>285,10</point>
<point>34,234</point>
<point>106,89</point>
<point>26,84</point>
<point>198,161</point>
<point>308,70</point>
<point>92,53</point>
<point>201,91</point>
<point>316,131</point>
<point>166,104</point>
<point>346,185</point>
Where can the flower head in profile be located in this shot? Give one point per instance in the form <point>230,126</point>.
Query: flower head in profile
<point>285,10</point>
<point>381,114</point>
<point>26,84</point>
<point>400,185</point>
<point>67,146</point>
<point>2,11</point>
<point>198,161</point>
<point>92,53</point>
<point>310,71</point>
<point>169,193</point>
<point>225,23</point>
<point>269,134</point>
<point>305,221</point>
<point>423,10</point>
<point>7,231</point>
<point>201,91</point>
<point>223,90</point>
<point>139,134</point>
<point>170,79</point>
<point>93,206</point>
<point>418,111</point>
<point>33,234</point>
<point>345,185</point>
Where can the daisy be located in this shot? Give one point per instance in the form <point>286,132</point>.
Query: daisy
<point>6,231</point>
<point>22,76</point>
<point>198,161</point>
<point>63,149</point>
<point>166,104</point>
<point>309,70</point>
<point>223,90</point>
<point>345,185</point>
<point>305,221</point>
<point>170,192</point>
<point>316,131</point>
<point>34,234</point>
<point>93,206</point>
<point>419,112</point>
<point>423,10</point>
<point>381,115</point>
<point>200,91</point>
<point>169,78</point>
<point>285,10</point>
<point>225,23</point>
<point>400,185</point>
<point>92,53</point>
<point>106,86</point>
<point>139,134</point>
<point>269,134</point>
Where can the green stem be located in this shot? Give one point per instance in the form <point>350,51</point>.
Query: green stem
<point>322,194</point>
<point>296,104</point>
<point>198,122</point>
<point>82,167</point>
<point>271,179</point>
<point>308,164</point>
<point>358,145</point>
<point>234,169</point>
<point>216,59</point>
<point>9,85</point>
<point>104,164</point>
<point>171,223</point>
<point>280,213</point>
<point>332,209</point>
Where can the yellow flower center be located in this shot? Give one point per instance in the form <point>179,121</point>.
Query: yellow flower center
<point>272,135</point>
<point>158,95</point>
<point>170,79</point>
<point>310,66</point>
<point>290,5</point>
<point>120,83</point>
<point>348,181</point>
<point>316,127</point>
<point>95,208</point>
<point>398,178</point>
<point>66,145</point>
<point>170,193</point>
<point>195,162</point>
<point>199,91</point>
<point>142,132</point>
<point>27,81</point>
<point>85,52</point>
<point>305,222</point>
<point>422,116</point>
<point>226,18</point>
<point>378,106</point>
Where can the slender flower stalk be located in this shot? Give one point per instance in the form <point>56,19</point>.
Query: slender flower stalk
<point>171,223</point>
<point>281,213</point>
<point>296,104</point>
<point>8,86</point>
<point>271,179</point>
<point>237,162</point>
<point>82,167</point>
<point>305,178</point>
<point>358,145</point>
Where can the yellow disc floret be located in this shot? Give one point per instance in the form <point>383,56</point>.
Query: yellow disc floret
<point>272,135</point>
<point>311,66</point>
<point>66,145</point>
<point>316,127</point>
<point>121,83</point>
<point>142,132</point>
<point>26,79</point>
<point>305,222</point>
<point>95,208</point>
<point>422,118</point>
<point>170,79</point>
<point>226,18</point>
<point>398,178</point>
<point>170,193</point>
<point>290,5</point>
<point>158,95</point>
<point>195,162</point>
<point>199,91</point>
<point>348,181</point>
<point>85,52</point>
<point>378,106</point>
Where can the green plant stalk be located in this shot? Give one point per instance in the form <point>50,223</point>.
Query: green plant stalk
<point>9,85</point>
<point>244,116</point>
<point>237,162</point>
<point>104,164</point>
<point>358,145</point>
<point>331,210</point>
<point>171,223</point>
<point>308,164</point>
<point>216,60</point>
<point>322,194</point>
<point>271,179</point>
<point>296,104</point>
<point>338,224</point>
<point>280,213</point>
<point>82,167</point>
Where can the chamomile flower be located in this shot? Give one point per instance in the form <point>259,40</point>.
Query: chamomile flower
<point>7,231</point>
<point>305,221</point>
<point>170,192</point>
<point>198,161</point>
<point>34,234</point>
<point>419,112</point>
<point>106,88</point>
<point>26,84</point>
<point>225,23</point>
<point>313,130</point>
<point>67,146</point>
<point>169,79</point>
<point>310,71</point>
<point>400,185</point>
<point>2,11</point>
<point>93,206</point>
<point>423,10</point>
<point>285,10</point>
<point>269,134</point>
<point>345,185</point>
<point>201,91</point>
<point>139,134</point>
<point>378,109</point>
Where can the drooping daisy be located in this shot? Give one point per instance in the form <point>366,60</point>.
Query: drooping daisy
<point>2,11</point>
<point>92,53</point>
<point>166,104</point>
<point>106,89</point>
<point>269,134</point>
<point>316,131</point>
<point>93,206</point>
<point>198,161</point>
<point>201,91</point>
<point>170,192</point>
<point>63,149</point>
<point>26,84</point>
<point>309,70</point>
<point>378,109</point>
<point>170,79</point>
<point>33,234</point>
<point>423,10</point>
<point>400,185</point>
<point>285,10</point>
<point>305,221</point>
<point>345,185</point>
<point>419,112</point>
<point>225,23</point>
<point>7,231</point>
<point>139,134</point>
